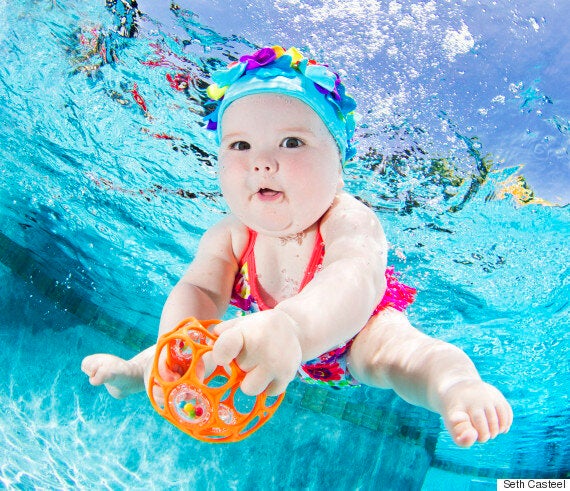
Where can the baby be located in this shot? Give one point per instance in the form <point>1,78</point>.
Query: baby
<point>305,259</point>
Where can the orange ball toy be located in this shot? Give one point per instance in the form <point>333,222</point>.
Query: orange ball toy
<point>209,408</point>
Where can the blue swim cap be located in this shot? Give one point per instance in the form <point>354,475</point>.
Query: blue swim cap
<point>276,71</point>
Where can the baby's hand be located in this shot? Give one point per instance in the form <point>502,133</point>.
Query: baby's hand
<point>265,346</point>
<point>164,371</point>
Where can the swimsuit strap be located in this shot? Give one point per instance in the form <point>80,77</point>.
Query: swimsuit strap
<point>316,260</point>
<point>248,256</point>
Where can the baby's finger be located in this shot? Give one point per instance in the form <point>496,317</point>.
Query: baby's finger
<point>255,382</point>
<point>223,326</point>
<point>227,346</point>
<point>158,395</point>
<point>208,364</point>
<point>276,388</point>
<point>165,372</point>
<point>88,366</point>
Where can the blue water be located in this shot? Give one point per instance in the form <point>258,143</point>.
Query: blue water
<point>463,155</point>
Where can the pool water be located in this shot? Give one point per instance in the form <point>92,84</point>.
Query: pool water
<point>463,156</point>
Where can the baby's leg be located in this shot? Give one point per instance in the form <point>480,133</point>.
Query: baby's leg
<point>390,353</point>
<point>121,377</point>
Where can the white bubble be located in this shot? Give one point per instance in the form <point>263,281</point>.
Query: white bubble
<point>457,42</point>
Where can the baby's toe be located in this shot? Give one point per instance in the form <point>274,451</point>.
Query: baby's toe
<point>492,421</point>
<point>461,429</point>
<point>505,415</point>
<point>481,425</point>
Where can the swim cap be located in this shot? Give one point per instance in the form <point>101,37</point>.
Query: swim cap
<point>274,70</point>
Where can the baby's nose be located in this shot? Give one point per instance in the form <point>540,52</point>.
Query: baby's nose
<point>263,167</point>
<point>264,163</point>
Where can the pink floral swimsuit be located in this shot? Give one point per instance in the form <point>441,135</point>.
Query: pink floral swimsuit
<point>330,368</point>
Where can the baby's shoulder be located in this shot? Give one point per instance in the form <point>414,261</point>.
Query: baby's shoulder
<point>232,232</point>
<point>348,210</point>
<point>350,225</point>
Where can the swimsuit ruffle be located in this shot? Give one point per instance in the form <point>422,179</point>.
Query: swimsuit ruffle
<point>398,296</point>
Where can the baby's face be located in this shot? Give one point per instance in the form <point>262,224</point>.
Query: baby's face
<point>279,165</point>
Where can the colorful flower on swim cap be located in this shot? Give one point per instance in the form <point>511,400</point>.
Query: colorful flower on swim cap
<point>274,70</point>
<point>260,58</point>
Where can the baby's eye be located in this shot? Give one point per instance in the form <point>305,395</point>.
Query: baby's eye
<point>292,142</point>
<point>240,145</point>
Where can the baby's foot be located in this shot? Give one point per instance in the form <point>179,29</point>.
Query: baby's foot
<point>120,377</point>
<point>475,411</point>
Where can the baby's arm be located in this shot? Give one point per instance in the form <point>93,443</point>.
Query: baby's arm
<point>203,292</point>
<point>340,299</point>
<point>330,310</point>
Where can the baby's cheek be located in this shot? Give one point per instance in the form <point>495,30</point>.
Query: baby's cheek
<point>225,179</point>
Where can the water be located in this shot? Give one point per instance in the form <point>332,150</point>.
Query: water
<point>463,155</point>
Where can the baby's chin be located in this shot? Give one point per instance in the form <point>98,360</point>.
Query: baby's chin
<point>281,230</point>
<point>281,234</point>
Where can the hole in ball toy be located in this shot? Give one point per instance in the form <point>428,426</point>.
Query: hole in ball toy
<point>189,405</point>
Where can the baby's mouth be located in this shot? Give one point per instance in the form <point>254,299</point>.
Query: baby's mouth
<point>268,194</point>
